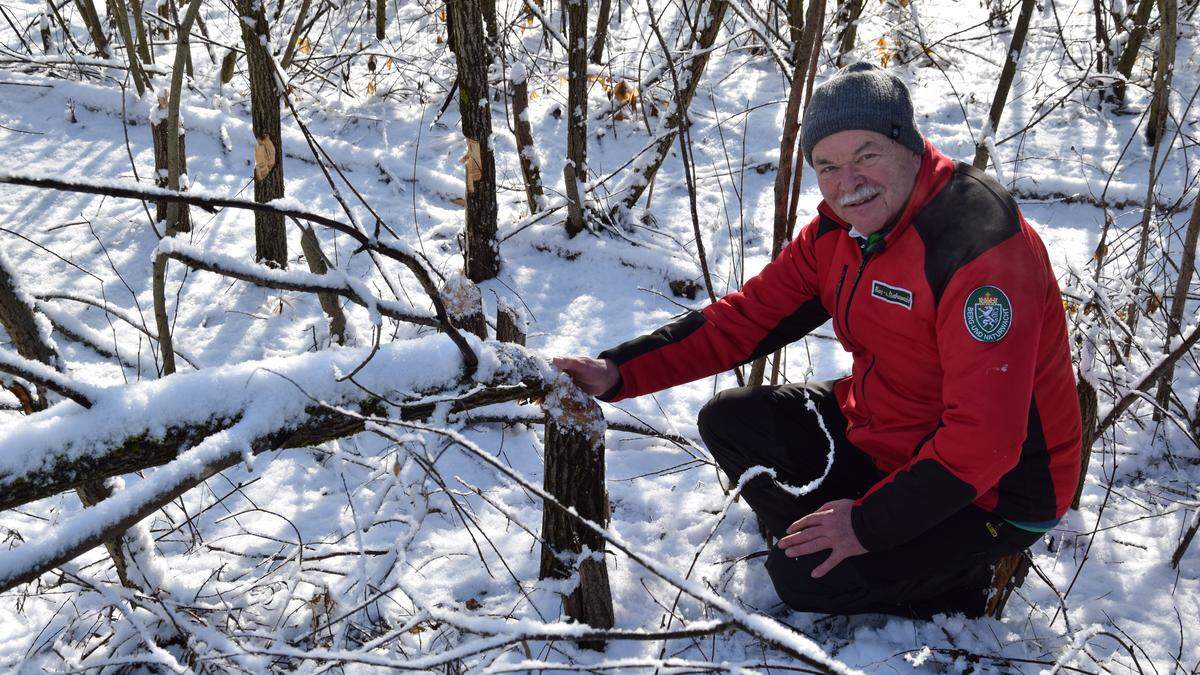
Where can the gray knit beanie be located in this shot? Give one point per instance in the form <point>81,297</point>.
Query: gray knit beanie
<point>860,96</point>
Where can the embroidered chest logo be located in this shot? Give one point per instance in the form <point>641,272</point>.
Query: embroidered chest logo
<point>892,294</point>
<point>987,313</point>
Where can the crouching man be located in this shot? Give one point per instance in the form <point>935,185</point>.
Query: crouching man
<point>955,438</point>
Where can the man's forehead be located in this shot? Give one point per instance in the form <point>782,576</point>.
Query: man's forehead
<point>820,156</point>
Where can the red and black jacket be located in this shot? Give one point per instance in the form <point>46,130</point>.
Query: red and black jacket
<point>962,389</point>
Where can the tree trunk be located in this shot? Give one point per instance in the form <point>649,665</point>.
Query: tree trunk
<point>464,305</point>
<point>1007,73</point>
<point>380,20</point>
<point>1133,45</point>
<point>575,168</point>
<point>787,177</point>
<point>510,324</point>
<point>329,301</point>
<point>531,170</point>
<point>1088,409</point>
<point>480,250</point>
<point>1187,268</point>
<point>642,176</point>
<point>848,15</point>
<point>602,17</point>
<point>1159,105</point>
<point>574,459</point>
<point>270,237</point>
<point>91,19</point>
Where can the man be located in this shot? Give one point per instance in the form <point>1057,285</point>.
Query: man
<point>954,441</point>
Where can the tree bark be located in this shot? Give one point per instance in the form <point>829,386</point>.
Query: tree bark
<point>1187,268</point>
<point>848,15</point>
<point>531,170</point>
<point>480,250</point>
<point>574,459</point>
<point>1133,46</point>
<point>596,56</point>
<point>91,19</point>
<point>1007,73</point>
<point>510,325</point>
<point>1159,105</point>
<point>329,301</point>
<point>380,20</point>
<point>575,168</point>
<point>642,176</point>
<point>270,236</point>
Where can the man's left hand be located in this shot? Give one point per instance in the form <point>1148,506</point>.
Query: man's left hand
<point>828,527</point>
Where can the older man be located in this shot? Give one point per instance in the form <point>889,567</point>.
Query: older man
<point>954,441</point>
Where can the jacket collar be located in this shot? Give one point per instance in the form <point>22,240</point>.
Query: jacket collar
<point>936,170</point>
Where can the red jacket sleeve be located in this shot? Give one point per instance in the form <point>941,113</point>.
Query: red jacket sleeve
<point>989,320</point>
<point>779,305</point>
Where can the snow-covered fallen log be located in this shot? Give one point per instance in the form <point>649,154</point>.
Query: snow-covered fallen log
<point>199,423</point>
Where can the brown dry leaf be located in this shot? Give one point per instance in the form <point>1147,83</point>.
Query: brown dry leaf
<point>264,157</point>
<point>459,201</point>
<point>624,92</point>
<point>474,162</point>
<point>439,39</point>
<point>371,88</point>
<point>472,604</point>
<point>305,46</point>
<point>442,14</point>
<point>1154,304</point>
<point>388,64</point>
<point>396,468</point>
<point>1101,251</point>
<point>416,629</point>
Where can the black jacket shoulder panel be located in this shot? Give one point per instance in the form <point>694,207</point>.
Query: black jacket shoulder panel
<point>826,225</point>
<point>971,215</point>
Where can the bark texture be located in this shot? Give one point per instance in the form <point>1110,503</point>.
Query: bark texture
<point>329,301</point>
<point>575,168</point>
<point>480,250</point>
<point>531,171</point>
<point>575,477</point>
<point>1007,73</point>
<point>270,237</point>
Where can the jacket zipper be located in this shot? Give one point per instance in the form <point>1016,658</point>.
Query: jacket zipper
<point>853,287</point>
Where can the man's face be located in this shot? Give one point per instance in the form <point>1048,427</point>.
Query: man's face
<point>864,176</point>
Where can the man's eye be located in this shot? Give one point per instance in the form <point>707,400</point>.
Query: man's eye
<point>869,157</point>
<point>827,169</point>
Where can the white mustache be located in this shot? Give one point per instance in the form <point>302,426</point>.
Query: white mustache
<point>862,194</point>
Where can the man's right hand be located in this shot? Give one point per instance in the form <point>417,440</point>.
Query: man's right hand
<point>595,376</point>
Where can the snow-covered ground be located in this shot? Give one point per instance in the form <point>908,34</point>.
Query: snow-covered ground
<point>368,514</point>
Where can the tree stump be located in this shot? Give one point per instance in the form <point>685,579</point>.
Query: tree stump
<point>510,323</point>
<point>464,304</point>
<point>575,477</point>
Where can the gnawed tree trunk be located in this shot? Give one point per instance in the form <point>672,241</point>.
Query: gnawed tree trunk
<point>317,264</point>
<point>644,174</point>
<point>575,168</point>
<point>1089,406</point>
<point>1007,73</point>
<point>270,237</point>
<point>574,459</point>
<point>1187,268</point>
<point>464,304</point>
<point>602,16</point>
<point>531,170</point>
<point>18,317</point>
<point>480,249</point>
<point>510,323</point>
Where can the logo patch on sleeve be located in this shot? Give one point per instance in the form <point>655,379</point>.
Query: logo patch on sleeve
<point>892,294</point>
<point>987,313</point>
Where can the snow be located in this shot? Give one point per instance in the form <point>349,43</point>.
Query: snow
<point>400,529</point>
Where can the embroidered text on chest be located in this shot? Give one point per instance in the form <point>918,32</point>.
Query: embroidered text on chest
<point>892,294</point>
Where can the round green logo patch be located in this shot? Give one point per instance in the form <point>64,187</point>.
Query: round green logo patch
<point>987,313</point>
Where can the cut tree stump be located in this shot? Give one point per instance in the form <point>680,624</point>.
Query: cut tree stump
<point>574,460</point>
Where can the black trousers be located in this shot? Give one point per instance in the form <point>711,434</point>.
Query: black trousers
<point>944,570</point>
